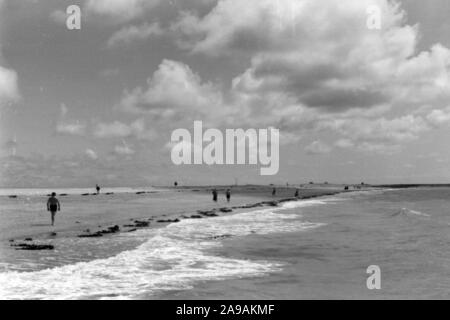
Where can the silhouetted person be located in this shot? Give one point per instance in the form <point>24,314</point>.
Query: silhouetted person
<point>175,184</point>
<point>274,191</point>
<point>97,187</point>
<point>53,206</point>
<point>296,193</point>
<point>214,192</point>
<point>228,193</point>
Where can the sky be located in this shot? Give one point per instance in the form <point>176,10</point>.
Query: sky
<point>99,104</point>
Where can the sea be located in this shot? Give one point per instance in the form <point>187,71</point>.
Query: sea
<point>319,248</point>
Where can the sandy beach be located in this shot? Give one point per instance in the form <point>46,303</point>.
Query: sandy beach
<point>28,216</point>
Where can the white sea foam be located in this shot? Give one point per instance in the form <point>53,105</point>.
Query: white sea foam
<point>173,257</point>
<point>305,203</point>
<point>264,221</point>
<point>408,212</point>
<point>162,263</point>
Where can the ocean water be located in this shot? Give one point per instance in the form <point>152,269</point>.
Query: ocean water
<point>309,249</point>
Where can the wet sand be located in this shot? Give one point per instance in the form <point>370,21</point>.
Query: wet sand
<point>26,216</point>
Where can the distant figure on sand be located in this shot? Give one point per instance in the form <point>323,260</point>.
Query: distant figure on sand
<point>274,192</point>
<point>296,193</point>
<point>98,188</point>
<point>53,206</point>
<point>214,192</point>
<point>228,193</point>
<point>175,184</point>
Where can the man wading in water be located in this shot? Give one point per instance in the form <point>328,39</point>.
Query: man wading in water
<point>53,206</point>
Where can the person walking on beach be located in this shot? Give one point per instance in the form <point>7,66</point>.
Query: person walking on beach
<point>274,192</point>
<point>296,193</point>
<point>214,192</point>
<point>228,193</point>
<point>53,206</point>
<point>98,188</point>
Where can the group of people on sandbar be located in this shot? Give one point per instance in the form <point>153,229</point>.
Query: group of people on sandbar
<point>227,194</point>
<point>53,204</point>
<point>274,192</point>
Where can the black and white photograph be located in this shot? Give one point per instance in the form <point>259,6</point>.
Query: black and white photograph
<point>224,150</point>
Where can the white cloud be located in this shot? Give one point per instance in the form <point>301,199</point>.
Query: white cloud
<point>116,129</point>
<point>119,129</point>
<point>344,143</point>
<point>380,135</point>
<point>313,66</point>
<point>130,34</point>
<point>320,53</point>
<point>287,138</point>
<point>9,90</point>
<point>176,92</point>
<point>397,130</point>
<point>318,147</point>
<point>64,110</point>
<point>69,127</point>
<point>91,154</point>
<point>121,10</point>
<point>439,116</point>
<point>380,148</point>
<point>124,150</point>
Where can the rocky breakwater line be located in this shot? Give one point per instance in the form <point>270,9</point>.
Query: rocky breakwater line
<point>30,246</point>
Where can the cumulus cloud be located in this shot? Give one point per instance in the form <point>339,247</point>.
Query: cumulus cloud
<point>312,66</point>
<point>118,129</point>
<point>124,149</point>
<point>318,147</point>
<point>121,10</point>
<point>320,53</point>
<point>69,127</point>
<point>344,143</point>
<point>401,129</point>
<point>91,154</point>
<point>9,90</point>
<point>130,34</point>
<point>439,116</point>
<point>370,134</point>
<point>74,128</point>
<point>176,92</point>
